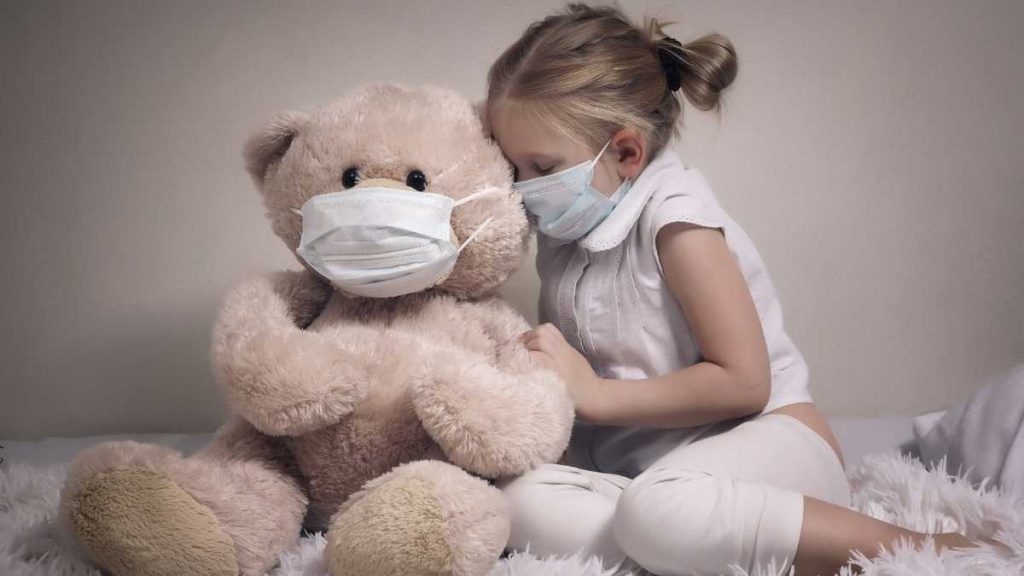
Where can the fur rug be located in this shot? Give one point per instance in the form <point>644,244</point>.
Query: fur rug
<point>890,486</point>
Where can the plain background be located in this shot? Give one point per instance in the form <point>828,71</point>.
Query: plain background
<point>872,150</point>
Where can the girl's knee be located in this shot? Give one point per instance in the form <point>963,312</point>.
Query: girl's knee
<point>543,480</point>
<point>527,485</point>
<point>669,509</point>
<point>553,509</point>
<point>525,496</point>
<point>679,521</point>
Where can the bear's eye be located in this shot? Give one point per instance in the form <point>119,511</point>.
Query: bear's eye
<point>416,180</point>
<point>350,177</point>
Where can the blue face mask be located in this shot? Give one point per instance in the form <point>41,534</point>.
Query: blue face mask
<point>567,207</point>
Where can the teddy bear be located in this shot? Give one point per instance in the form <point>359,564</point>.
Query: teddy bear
<point>379,392</point>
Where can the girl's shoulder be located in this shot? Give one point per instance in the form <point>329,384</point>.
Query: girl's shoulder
<point>684,196</point>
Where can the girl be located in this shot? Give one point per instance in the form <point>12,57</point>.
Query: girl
<point>697,444</point>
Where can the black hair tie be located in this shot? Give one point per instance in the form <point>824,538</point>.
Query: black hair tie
<point>670,52</point>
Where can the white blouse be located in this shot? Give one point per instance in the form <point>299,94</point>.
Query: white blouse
<point>607,295</point>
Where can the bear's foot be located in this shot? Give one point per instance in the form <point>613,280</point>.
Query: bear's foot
<point>423,517</point>
<point>139,522</point>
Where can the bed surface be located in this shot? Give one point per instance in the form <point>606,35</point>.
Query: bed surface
<point>857,437</point>
<point>890,487</point>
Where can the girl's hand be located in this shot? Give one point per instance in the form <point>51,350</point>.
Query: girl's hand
<point>548,348</point>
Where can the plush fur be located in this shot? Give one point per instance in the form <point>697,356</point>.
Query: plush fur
<point>381,420</point>
<point>888,486</point>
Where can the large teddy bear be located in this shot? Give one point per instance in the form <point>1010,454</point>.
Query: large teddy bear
<point>373,394</point>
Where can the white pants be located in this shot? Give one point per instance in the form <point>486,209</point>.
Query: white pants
<point>735,497</point>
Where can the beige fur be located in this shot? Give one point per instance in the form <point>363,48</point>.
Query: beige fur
<point>413,512</point>
<point>111,516</point>
<point>369,417</point>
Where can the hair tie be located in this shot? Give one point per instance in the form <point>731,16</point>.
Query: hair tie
<point>670,52</point>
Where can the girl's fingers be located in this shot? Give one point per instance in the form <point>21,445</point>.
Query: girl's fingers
<point>533,343</point>
<point>537,342</point>
<point>544,338</point>
<point>542,358</point>
<point>549,330</point>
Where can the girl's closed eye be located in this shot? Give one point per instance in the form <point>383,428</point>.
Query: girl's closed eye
<point>537,169</point>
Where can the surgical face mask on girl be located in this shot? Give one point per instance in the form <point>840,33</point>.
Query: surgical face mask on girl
<point>567,206</point>
<point>381,242</point>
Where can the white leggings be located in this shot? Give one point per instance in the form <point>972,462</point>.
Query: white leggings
<point>735,497</point>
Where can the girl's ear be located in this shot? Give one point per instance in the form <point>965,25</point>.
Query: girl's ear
<point>270,143</point>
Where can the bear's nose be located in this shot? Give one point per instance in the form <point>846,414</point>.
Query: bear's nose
<point>383,183</point>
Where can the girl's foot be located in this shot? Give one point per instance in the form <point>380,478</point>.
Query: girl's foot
<point>1002,548</point>
<point>955,540</point>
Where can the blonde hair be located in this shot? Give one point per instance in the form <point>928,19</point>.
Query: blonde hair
<point>588,71</point>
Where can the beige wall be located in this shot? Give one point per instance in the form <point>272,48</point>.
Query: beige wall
<point>871,149</point>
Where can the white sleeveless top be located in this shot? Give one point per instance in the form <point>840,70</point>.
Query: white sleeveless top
<point>607,295</point>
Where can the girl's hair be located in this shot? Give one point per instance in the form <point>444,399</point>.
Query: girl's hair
<point>588,71</point>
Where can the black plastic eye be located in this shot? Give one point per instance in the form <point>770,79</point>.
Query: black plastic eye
<point>350,177</point>
<point>416,180</point>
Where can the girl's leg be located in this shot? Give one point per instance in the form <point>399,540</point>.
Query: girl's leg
<point>767,488</point>
<point>561,510</point>
<point>830,532</point>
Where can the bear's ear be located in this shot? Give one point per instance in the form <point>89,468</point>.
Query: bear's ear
<point>270,143</point>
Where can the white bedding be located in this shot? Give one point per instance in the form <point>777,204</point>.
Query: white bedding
<point>884,484</point>
<point>857,437</point>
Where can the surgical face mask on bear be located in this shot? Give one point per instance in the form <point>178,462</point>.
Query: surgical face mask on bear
<point>382,242</point>
<point>565,203</point>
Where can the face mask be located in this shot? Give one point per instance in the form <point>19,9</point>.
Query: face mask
<point>382,242</point>
<point>566,205</point>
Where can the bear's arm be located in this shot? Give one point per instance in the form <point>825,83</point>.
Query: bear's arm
<point>284,380</point>
<point>495,419</point>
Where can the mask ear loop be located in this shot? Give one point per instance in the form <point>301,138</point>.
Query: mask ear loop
<point>601,153</point>
<point>482,192</point>
<point>622,190</point>
<point>296,210</point>
<point>475,232</point>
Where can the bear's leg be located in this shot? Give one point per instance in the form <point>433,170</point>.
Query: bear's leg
<point>143,510</point>
<point>422,517</point>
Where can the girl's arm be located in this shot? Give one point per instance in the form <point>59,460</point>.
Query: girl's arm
<point>732,380</point>
<point>734,377</point>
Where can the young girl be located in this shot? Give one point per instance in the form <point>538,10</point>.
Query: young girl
<point>697,444</point>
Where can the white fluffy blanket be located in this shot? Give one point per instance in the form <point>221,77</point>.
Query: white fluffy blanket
<point>890,486</point>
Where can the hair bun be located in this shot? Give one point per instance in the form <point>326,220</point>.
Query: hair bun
<point>671,54</point>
